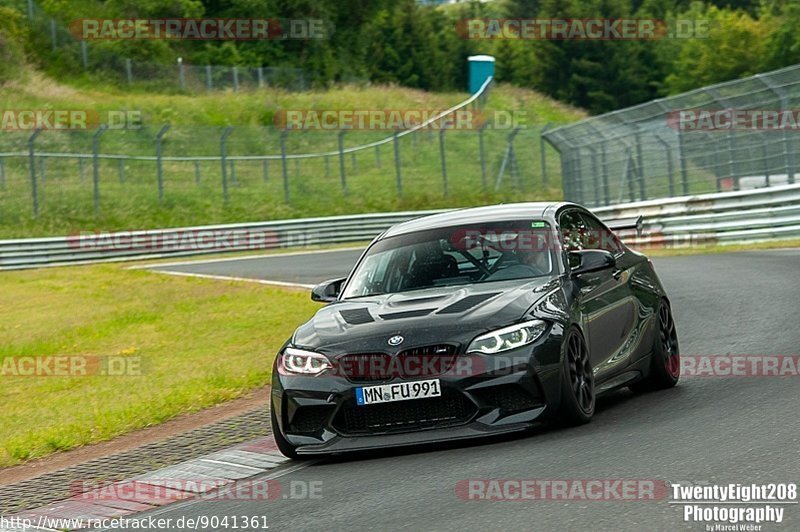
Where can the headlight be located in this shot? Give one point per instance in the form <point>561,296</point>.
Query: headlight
<point>303,362</point>
<point>508,338</point>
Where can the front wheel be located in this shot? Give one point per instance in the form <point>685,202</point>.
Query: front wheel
<point>577,382</point>
<point>665,360</point>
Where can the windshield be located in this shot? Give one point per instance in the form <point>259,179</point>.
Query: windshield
<point>496,251</point>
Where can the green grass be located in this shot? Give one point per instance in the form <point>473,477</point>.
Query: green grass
<point>201,343</point>
<point>66,193</point>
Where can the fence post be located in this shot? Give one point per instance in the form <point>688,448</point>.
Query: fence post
<point>234,181</point>
<point>121,170</point>
<point>2,174</point>
<point>159,166</point>
<point>397,164</point>
<point>223,162</point>
<point>96,165</point>
<point>377,156</point>
<point>81,170</point>
<point>181,77</point>
<point>30,9</point>
<point>604,164</point>
<point>84,56</point>
<point>482,154</point>
<point>235,79</point>
<point>42,169</point>
<point>197,172</point>
<point>353,161</point>
<point>53,34</point>
<point>209,81</point>
<point>129,71</point>
<point>640,165</point>
<point>284,133</point>
<point>509,157</point>
<point>327,166</point>
<point>342,175</point>
<point>32,161</point>
<point>443,157</point>
<point>260,71</point>
<point>595,181</point>
<point>542,156</point>
<point>265,169</point>
<point>682,164</point>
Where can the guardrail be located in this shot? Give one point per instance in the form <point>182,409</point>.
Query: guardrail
<point>729,217</point>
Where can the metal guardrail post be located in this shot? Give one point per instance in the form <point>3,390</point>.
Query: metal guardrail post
<point>398,174</point>
<point>159,163</point>
<point>443,157</point>
<point>223,161</point>
<point>32,162</point>
<point>96,165</point>
<point>342,174</point>
<point>285,166</point>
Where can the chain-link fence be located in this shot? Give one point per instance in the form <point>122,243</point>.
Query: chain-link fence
<point>77,55</point>
<point>736,135</point>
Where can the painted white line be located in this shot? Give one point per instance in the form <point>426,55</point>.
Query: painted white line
<point>249,257</point>
<point>238,279</point>
<point>222,491</point>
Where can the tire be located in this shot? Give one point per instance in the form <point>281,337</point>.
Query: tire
<point>287,449</point>
<point>577,382</point>
<point>665,360</point>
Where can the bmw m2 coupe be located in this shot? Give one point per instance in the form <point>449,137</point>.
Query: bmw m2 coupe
<point>470,323</point>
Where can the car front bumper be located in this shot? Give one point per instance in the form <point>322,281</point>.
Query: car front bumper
<point>481,395</point>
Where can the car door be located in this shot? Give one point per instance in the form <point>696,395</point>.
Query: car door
<point>604,298</point>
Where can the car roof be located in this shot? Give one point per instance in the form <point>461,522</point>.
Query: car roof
<point>490,213</point>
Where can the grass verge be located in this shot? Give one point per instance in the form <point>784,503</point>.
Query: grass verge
<point>201,342</point>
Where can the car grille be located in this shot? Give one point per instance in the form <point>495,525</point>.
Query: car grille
<point>510,398</point>
<point>310,418</point>
<point>452,408</point>
<point>416,363</point>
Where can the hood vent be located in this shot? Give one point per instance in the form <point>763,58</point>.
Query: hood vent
<point>356,316</point>
<point>407,314</point>
<point>467,303</point>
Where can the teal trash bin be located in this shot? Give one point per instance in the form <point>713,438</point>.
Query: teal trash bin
<point>481,67</point>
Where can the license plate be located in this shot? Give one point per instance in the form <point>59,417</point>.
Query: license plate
<point>402,391</point>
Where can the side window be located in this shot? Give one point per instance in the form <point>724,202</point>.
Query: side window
<point>598,236</point>
<point>572,227</point>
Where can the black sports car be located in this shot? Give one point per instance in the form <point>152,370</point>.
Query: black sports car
<point>470,323</point>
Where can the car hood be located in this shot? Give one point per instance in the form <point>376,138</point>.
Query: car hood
<point>454,314</point>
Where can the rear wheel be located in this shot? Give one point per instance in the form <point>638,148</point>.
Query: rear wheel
<point>577,382</point>
<point>287,449</point>
<point>665,360</point>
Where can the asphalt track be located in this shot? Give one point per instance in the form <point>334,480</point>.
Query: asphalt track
<point>707,430</point>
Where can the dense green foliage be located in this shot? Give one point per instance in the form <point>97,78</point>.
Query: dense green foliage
<point>416,45</point>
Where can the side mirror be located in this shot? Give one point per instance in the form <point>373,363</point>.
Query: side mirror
<point>590,260</point>
<point>327,291</point>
